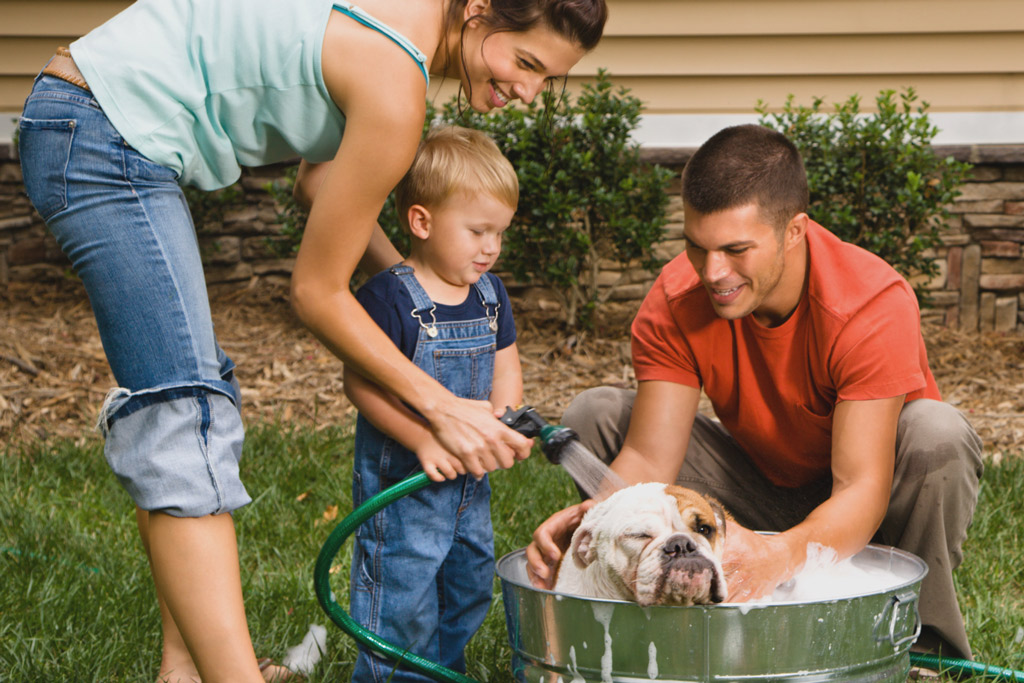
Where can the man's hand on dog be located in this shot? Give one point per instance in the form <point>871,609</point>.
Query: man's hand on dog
<point>550,541</point>
<point>754,564</point>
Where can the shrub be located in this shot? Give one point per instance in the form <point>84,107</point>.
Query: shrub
<point>585,196</point>
<point>291,216</point>
<point>874,179</point>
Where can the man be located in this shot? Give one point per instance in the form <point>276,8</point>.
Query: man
<point>831,427</point>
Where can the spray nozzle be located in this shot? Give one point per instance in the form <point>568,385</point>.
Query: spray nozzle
<point>553,438</point>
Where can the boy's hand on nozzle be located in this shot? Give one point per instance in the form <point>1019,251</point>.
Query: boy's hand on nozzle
<point>437,463</point>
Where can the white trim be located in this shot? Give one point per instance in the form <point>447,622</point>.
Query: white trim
<point>955,128</point>
<point>691,130</point>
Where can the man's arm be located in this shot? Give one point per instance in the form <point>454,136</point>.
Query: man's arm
<point>659,432</point>
<point>863,458</point>
<point>654,449</point>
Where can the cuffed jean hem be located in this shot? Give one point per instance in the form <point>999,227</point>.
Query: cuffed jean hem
<point>192,441</point>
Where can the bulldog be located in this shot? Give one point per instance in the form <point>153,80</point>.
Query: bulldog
<point>654,544</point>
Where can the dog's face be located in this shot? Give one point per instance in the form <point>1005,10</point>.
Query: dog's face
<point>655,544</point>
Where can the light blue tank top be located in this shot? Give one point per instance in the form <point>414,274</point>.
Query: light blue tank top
<point>205,87</point>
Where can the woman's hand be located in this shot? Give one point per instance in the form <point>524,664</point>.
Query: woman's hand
<point>550,541</point>
<point>470,431</point>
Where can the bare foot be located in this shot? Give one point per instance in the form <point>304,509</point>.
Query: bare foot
<point>273,673</point>
<point>170,675</point>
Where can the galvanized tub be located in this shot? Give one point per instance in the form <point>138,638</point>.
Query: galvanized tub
<point>564,639</point>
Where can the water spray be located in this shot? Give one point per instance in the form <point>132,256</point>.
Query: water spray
<point>562,446</point>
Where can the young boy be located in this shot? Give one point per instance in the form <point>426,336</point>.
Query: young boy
<point>423,567</point>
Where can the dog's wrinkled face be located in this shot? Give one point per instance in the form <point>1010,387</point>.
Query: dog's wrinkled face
<point>651,543</point>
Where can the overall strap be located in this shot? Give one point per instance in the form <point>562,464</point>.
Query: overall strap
<point>486,290</point>
<point>420,300</point>
<point>350,10</point>
<point>490,299</point>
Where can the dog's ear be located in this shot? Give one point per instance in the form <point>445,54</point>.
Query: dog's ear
<point>582,548</point>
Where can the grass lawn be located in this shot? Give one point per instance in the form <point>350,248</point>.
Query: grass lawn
<point>76,599</point>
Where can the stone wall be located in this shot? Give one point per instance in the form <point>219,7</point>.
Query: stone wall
<point>980,284</point>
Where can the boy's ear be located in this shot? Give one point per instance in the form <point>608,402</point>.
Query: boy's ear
<point>419,221</point>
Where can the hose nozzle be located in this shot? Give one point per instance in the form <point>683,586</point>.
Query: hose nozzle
<point>553,438</point>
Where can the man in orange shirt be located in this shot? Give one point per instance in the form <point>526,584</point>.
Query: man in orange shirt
<point>830,427</point>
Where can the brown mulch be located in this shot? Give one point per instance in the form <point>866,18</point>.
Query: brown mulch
<point>53,375</point>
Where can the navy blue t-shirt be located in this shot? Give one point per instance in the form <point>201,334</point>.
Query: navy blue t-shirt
<point>388,302</point>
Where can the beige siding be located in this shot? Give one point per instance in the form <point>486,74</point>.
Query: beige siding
<point>30,31</point>
<point>722,56</point>
<point>709,56</point>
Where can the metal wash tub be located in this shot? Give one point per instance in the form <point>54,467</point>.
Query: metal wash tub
<point>564,639</point>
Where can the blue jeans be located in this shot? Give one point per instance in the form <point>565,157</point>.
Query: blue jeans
<point>423,567</point>
<point>173,428</point>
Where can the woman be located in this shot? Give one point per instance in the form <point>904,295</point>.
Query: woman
<point>175,92</point>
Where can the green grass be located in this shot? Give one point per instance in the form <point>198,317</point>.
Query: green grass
<point>76,599</point>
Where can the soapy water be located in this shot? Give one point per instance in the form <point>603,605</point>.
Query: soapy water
<point>586,469</point>
<point>824,577</point>
<point>603,614</point>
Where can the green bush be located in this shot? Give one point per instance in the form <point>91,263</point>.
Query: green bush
<point>207,208</point>
<point>875,179</point>
<point>585,196</point>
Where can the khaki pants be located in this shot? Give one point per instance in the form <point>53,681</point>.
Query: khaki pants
<point>934,490</point>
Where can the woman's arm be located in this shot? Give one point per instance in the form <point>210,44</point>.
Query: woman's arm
<point>380,253</point>
<point>382,132</point>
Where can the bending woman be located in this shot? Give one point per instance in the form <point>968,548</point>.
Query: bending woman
<point>185,92</point>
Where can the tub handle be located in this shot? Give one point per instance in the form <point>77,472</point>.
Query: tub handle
<point>909,599</point>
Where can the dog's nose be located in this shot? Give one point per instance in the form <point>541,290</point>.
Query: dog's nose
<point>679,545</point>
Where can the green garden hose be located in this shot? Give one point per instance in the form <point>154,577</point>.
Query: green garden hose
<point>961,667</point>
<point>322,585</point>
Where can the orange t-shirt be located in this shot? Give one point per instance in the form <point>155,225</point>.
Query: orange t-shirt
<point>855,335</point>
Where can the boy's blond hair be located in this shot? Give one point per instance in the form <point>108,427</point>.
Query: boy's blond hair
<point>453,159</point>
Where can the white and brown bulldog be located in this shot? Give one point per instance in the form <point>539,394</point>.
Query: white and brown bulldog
<point>655,544</point>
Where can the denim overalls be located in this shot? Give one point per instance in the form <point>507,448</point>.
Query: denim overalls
<point>423,567</point>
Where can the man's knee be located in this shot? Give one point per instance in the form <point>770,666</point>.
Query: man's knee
<point>600,416</point>
<point>940,433</point>
<point>936,443</point>
<point>596,404</point>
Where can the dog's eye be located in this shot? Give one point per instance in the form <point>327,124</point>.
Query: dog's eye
<point>639,535</point>
<point>705,530</point>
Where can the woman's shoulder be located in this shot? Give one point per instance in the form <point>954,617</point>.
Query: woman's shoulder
<point>386,67</point>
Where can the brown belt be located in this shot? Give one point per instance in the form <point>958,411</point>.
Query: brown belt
<point>63,67</point>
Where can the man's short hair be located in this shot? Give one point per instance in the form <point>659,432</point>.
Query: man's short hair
<point>743,165</point>
<point>453,159</point>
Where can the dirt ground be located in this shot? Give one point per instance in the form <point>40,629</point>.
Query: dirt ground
<point>53,375</point>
